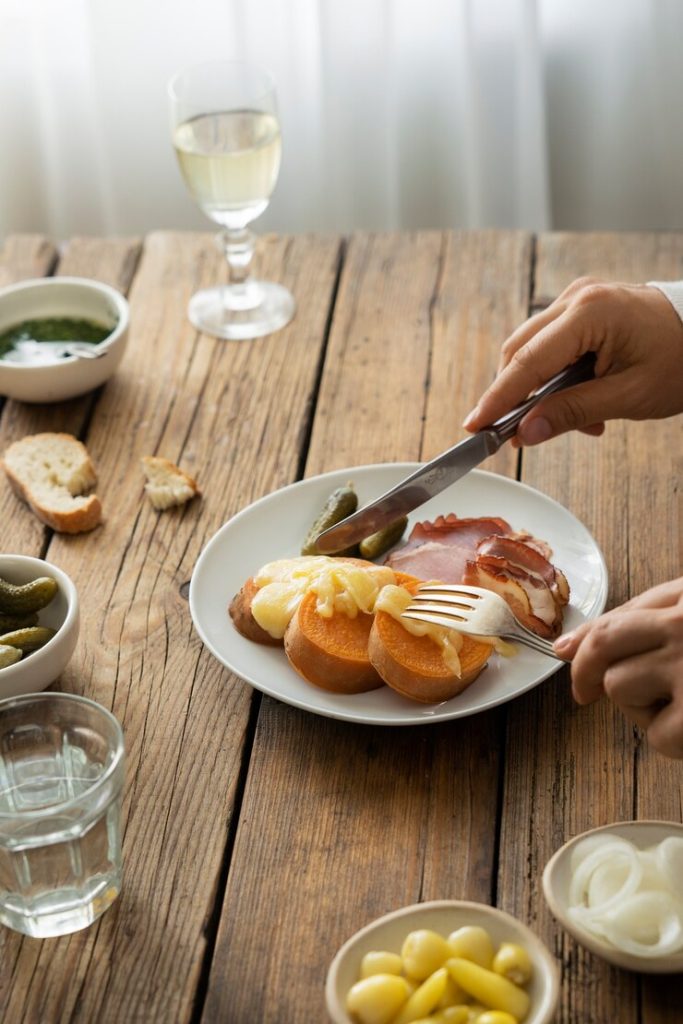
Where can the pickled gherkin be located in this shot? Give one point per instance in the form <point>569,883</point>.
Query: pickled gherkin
<point>340,504</point>
<point>377,543</point>
<point>28,639</point>
<point>29,597</point>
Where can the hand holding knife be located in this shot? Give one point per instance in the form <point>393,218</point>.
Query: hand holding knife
<point>432,478</point>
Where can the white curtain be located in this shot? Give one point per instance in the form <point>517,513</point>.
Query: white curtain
<point>395,113</point>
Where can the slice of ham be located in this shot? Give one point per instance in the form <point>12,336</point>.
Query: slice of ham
<point>524,556</point>
<point>529,598</point>
<point>486,552</point>
<point>440,550</point>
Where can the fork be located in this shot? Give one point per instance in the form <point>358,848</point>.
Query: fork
<point>473,610</point>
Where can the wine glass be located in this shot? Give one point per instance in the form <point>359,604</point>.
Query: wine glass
<point>226,136</point>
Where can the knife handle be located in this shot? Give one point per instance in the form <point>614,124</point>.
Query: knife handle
<point>582,370</point>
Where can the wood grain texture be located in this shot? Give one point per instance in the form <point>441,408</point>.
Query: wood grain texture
<point>25,256</point>
<point>258,837</point>
<point>112,261</point>
<point>583,767</point>
<point>227,411</point>
<point>341,823</point>
<point>642,256</point>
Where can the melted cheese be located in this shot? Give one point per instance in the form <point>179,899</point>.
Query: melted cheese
<point>341,586</point>
<point>394,601</point>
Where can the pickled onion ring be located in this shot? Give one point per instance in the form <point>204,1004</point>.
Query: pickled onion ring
<point>580,881</point>
<point>627,927</point>
<point>630,898</point>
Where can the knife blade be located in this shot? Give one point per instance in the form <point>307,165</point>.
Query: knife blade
<point>432,478</point>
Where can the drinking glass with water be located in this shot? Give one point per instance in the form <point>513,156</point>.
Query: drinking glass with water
<point>61,780</point>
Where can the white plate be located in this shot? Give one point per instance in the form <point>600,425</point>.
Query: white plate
<point>274,527</point>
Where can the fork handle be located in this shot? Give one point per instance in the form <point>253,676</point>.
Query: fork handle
<point>536,643</point>
<point>582,370</point>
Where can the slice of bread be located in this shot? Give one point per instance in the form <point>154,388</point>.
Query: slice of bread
<point>51,472</point>
<point>331,653</point>
<point>167,485</point>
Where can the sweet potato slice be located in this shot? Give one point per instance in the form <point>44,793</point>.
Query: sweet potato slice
<point>331,653</point>
<point>414,665</point>
<point>245,623</point>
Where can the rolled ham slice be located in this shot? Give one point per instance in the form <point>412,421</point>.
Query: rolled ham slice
<point>486,552</point>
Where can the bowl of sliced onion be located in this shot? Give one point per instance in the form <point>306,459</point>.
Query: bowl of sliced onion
<point>619,891</point>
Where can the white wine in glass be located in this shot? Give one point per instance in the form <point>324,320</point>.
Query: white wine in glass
<point>226,135</point>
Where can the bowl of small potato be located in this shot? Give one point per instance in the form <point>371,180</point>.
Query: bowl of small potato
<point>446,962</point>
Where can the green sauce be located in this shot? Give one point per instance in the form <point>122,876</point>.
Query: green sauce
<point>52,329</point>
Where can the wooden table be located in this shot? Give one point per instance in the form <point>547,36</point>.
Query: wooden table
<point>258,837</point>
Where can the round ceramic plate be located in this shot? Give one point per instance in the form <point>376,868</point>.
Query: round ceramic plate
<point>274,527</point>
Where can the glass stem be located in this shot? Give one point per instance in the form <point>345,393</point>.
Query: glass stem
<point>238,246</point>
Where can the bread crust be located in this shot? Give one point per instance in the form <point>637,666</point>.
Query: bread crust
<point>331,653</point>
<point>84,512</point>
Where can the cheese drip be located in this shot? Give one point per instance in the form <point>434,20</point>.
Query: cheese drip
<point>341,586</point>
<point>394,600</point>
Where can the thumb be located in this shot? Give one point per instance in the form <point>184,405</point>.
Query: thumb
<point>574,409</point>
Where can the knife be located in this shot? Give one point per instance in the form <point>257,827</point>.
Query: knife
<point>445,469</point>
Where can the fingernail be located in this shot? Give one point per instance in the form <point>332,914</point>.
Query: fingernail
<point>563,642</point>
<point>471,417</point>
<point>535,431</point>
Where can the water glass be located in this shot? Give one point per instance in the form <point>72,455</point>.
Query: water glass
<point>61,780</point>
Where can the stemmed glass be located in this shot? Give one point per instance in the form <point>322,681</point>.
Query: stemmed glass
<point>226,135</point>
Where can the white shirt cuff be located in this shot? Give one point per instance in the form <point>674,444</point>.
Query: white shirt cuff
<point>674,293</point>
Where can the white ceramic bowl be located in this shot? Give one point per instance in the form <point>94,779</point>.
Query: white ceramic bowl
<point>443,916</point>
<point>65,376</point>
<point>37,670</point>
<point>557,876</point>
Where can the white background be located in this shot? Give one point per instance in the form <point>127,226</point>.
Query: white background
<point>395,113</point>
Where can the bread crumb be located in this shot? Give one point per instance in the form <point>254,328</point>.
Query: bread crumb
<point>167,485</point>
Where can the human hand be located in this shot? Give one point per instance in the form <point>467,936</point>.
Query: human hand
<point>634,655</point>
<point>638,340</point>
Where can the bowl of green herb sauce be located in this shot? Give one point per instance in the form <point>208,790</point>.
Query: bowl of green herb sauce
<point>59,337</point>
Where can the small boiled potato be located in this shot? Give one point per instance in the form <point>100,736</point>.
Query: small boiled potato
<point>460,1014</point>
<point>476,1010</point>
<point>472,943</point>
<point>453,995</point>
<point>489,988</point>
<point>424,999</point>
<point>380,962</point>
<point>513,962</point>
<point>423,952</point>
<point>377,1000</point>
<point>496,1017</point>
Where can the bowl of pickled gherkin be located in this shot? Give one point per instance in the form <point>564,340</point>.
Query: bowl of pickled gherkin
<point>39,622</point>
<point>59,337</point>
<point>447,961</point>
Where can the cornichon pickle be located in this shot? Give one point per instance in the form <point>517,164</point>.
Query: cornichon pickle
<point>9,655</point>
<point>28,639</point>
<point>340,504</point>
<point>30,597</point>
<point>8,622</point>
<point>377,543</point>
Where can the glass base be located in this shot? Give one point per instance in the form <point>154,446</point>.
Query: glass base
<point>248,310</point>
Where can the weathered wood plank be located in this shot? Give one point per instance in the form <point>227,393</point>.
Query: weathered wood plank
<point>642,256</point>
<point>341,823</point>
<point>112,261</point>
<point>24,256</point>
<point>231,412</point>
<point>582,767</point>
